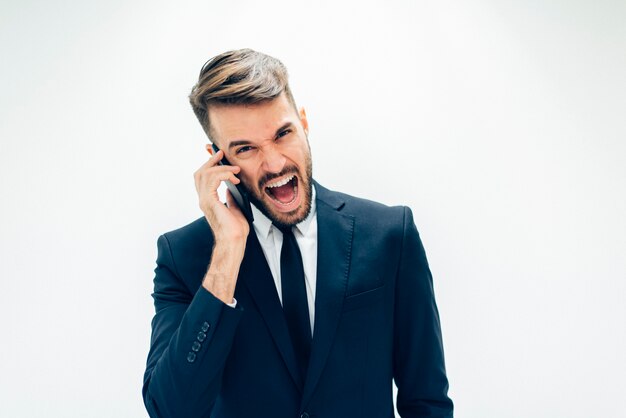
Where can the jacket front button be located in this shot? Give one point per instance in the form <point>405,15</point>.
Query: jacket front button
<point>304,415</point>
<point>191,357</point>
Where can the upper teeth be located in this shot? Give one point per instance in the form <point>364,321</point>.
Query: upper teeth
<point>280,182</point>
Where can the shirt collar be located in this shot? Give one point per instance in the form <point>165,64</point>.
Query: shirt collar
<point>263,226</point>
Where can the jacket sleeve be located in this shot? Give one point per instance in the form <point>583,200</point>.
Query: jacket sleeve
<point>191,339</point>
<point>419,369</point>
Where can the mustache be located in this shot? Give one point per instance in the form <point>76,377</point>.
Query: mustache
<point>292,169</point>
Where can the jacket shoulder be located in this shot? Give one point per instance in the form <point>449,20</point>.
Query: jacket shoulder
<point>193,238</point>
<point>366,209</point>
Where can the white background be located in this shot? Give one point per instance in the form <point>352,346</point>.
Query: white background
<point>500,123</point>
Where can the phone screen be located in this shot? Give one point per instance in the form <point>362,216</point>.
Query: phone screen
<point>238,192</point>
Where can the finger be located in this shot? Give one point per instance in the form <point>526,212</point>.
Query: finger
<point>210,181</point>
<point>204,173</point>
<point>207,169</point>
<point>204,170</point>
<point>216,177</point>
<point>216,158</point>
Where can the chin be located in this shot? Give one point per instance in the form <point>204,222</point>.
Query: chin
<point>271,208</point>
<point>290,218</point>
<point>285,197</point>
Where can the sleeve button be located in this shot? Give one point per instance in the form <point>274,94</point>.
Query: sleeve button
<point>201,336</point>
<point>191,357</point>
<point>196,346</point>
<point>205,327</point>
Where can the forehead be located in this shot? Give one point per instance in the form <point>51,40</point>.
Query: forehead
<point>253,122</point>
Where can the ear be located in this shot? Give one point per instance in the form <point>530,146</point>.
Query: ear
<point>209,148</point>
<point>303,120</point>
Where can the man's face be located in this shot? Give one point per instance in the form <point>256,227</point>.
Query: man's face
<point>268,141</point>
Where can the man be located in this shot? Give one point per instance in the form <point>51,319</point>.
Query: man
<point>310,311</point>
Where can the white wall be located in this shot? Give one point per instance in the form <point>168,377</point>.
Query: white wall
<point>500,123</point>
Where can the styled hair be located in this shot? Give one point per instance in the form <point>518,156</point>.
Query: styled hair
<point>238,77</point>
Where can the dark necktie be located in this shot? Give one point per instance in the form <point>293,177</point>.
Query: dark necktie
<point>295,304</point>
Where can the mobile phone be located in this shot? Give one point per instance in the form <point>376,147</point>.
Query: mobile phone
<point>238,192</point>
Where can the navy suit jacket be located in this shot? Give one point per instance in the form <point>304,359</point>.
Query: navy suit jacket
<point>375,321</point>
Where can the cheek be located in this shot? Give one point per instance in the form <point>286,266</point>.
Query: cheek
<point>249,176</point>
<point>299,154</point>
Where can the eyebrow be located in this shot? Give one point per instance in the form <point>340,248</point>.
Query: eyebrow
<point>239,142</point>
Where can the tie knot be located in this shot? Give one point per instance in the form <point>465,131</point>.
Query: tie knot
<point>285,229</point>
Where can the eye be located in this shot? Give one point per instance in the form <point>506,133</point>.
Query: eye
<point>283,133</point>
<point>243,149</point>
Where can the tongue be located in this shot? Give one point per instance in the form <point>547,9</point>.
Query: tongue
<point>284,194</point>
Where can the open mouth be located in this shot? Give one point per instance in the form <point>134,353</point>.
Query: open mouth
<point>283,191</point>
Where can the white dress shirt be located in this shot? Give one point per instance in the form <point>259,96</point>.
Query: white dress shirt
<point>271,240</point>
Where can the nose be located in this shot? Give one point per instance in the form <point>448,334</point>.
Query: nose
<point>273,160</point>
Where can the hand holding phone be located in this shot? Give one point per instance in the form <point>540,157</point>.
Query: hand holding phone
<point>238,192</point>
<point>228,222</point>
<point>229,226</point>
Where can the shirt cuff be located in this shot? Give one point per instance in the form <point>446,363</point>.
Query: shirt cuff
<point>234,304</point>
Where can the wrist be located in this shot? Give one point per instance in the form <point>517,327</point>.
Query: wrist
<point>227,254</point>
<point>221,276</point>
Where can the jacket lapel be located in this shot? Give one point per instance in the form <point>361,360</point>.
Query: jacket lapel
<point>334,245</point>
<point>334,242</point>
<point>256,275</point>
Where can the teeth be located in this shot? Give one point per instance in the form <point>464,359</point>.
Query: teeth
<point>279,183</point>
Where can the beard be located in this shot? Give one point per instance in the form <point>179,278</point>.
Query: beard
<point>305,186</point>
